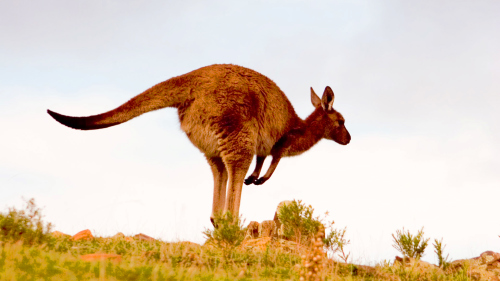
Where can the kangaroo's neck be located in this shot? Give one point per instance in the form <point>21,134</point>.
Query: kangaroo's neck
<point>304,135</point>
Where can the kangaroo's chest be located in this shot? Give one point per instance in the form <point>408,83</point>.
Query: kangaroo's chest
<point>265,143</point>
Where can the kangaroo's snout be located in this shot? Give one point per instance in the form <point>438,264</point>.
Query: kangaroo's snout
<point>346,140</point>
<point>341,136</point>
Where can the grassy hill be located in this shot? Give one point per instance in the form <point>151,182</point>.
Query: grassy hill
<point>29,250</point>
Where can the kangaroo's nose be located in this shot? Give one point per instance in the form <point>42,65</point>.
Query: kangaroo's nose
<point>347,139</point>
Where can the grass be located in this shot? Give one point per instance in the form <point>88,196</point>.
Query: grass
<point>141,260</point>
<point>28,251</point>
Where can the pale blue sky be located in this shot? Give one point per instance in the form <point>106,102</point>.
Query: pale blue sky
<point>417,83</point>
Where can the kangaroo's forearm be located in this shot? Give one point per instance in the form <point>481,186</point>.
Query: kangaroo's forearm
<point>270,171</point>
<point>258,167</point>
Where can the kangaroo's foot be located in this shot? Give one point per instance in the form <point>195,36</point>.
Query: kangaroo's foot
<point>261,181</point>
<point>251,179</point>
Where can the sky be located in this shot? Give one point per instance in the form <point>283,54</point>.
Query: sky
<point>417,83</point>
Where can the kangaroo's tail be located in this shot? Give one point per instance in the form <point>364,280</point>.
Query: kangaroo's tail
<point>165,94</point>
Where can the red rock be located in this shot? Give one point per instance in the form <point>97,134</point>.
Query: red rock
<point>142,236</point>
<point>100,257</point>
<point>83,235</point>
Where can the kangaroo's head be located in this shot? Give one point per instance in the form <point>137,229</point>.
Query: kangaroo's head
<point>332,120</point>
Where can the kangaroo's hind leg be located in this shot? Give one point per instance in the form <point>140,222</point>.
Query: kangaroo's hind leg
<point>237,151</point>
<point>237,167</point>
<point>220,181</point>
<point>258,167</point>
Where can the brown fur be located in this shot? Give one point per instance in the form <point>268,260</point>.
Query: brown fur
<point>231,113</point>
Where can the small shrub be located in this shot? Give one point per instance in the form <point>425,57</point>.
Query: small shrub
<point>25,225</point>
<point>438,249</point>
<point>298,221</point>
<point>335,242</point>
<point>228,234</point>
<point>409,245</point>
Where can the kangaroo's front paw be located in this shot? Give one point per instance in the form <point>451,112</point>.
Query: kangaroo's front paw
<point>250,180</point>
<point>260,181</point>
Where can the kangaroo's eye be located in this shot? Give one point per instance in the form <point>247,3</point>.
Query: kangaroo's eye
<point>341,122</point>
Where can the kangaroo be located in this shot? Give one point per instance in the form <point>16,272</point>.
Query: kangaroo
<point>230,113</point>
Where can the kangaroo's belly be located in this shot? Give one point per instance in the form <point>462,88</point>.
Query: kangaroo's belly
<point>208,138</point>
<point>208,142</point>
<point>202,137</point>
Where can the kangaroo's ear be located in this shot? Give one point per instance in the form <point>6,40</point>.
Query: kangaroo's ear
<point>327,99</point>
<point>316,101</point>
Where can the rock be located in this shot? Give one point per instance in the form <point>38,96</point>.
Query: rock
<point>144,237</point>
<point>414,263</point>
<point>415,267</point>
<point>59,234</point>
<point>267,229</point>
<point>119,235</point>
<point>398,259</point>
<point>252,230</point>
<point>99,257</point>
<point>484,267</point>
<point>494,266</point>
<point>489,257</point>
<point>459,264</point>
<point>83,235</point>
<point>481,273</point>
